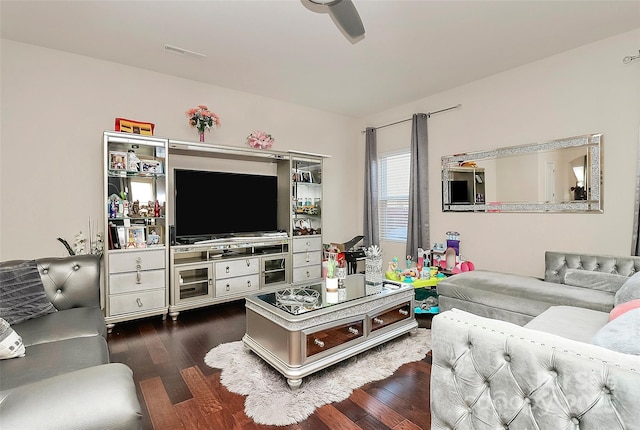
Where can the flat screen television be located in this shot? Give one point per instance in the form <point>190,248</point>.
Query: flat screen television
<point>459,192</point>
<point>210,205</point>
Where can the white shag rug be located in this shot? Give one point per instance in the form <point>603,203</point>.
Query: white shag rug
<point>270,401</point>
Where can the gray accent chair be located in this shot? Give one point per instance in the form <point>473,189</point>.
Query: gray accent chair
<point>65,380</point>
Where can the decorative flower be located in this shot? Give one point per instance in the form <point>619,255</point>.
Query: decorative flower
<point>260,139</point>
<point>202,118</point>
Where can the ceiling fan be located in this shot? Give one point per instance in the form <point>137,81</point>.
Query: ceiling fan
<point>345,15</point>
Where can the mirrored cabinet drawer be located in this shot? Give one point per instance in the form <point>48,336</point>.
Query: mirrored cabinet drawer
<point>242,284</point>
<point>240,267</point>
<point>136,302</point>
<point>130,261</point>
<point>136,281</point>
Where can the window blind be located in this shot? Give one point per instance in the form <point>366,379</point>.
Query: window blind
<point>393,198</point>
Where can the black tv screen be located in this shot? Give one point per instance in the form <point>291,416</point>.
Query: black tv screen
<point>459,192</point>
<point>210,204</point>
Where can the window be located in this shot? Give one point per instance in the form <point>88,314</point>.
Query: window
<point>393,196</point>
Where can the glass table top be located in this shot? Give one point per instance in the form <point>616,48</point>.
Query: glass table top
<point>299,299</point>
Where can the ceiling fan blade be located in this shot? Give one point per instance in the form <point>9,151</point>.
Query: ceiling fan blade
<point>346,15</point>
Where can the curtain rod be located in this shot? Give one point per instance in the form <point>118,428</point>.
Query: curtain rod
<point>409,119</point>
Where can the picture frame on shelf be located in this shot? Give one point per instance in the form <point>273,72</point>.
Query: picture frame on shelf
<point>136,237</point>
<point>305,176</point>
<point>117,160</point>
<point>150,166</point>
<point>133,162</point>
<point>122,236</point>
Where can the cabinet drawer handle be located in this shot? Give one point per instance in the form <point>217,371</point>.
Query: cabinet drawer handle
<point>138,275</point>
<point>353,330</point>
<point>248,284</point>
<point>210,281</point>
<point>139,260</point>
<point>228,287</point>
<point>139,302</point>
<point>307,258</point>
<point>248,262</point>
<point>319,343</point>
<point>227,269</point>
<point>308,274</point>
<point>403,312</point>
<point>378,321</point>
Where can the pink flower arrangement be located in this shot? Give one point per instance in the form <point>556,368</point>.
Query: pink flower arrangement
<point>260,140</point>
<point>202,118</point>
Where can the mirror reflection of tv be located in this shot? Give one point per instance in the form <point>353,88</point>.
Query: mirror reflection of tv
<point>459,192</point>
<point>211,205</point>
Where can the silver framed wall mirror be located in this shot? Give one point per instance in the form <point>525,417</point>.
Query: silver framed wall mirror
<point>563,175</point>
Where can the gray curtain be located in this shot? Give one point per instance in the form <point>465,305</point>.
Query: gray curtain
<point>371,228</point>
<point>418,223</point>
<point>635,244</point>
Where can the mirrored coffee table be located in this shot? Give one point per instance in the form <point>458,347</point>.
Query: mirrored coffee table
<point>302,329</point>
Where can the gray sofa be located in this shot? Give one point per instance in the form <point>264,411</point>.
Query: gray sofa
<point>489,373</point>
<point>65,380</point>
<point>519,299</point>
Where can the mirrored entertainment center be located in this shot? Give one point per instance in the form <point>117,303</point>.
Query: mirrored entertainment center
<point>204,223</point>
<point>563,175</point>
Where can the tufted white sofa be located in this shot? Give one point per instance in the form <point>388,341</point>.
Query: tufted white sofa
<point>490,374</point>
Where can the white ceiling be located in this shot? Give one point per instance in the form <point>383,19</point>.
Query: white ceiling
<point>292,51</point>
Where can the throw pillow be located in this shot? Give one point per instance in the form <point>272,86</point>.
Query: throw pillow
<point>622,334</point>
<point>630,290</point>
<point>594,280</point>
<point>623,308</point>
<point>22,295</point>
<point>11,345</point>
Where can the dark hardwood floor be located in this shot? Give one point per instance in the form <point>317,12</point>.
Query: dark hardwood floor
<point>178,391</point>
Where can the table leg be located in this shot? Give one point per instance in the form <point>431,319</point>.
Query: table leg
<point>294,384</point>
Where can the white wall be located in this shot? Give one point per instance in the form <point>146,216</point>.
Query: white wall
<point>585,90</point>
<point>55,107</point>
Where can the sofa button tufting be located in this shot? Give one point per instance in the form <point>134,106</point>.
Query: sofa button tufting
<point>58,291</point>
<point>45,271</point>
<point>76,267</point>
<point>507,357</point>
<point>555,272</point>
<point>553,372</point>
<point>527,400</point>
<point>606,390</point>
<point>575,420</point>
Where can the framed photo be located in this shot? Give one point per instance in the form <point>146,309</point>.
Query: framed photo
<point>305,176</point>
<point>117,160</point>
<point>136,237</point>
<point>150,166</point>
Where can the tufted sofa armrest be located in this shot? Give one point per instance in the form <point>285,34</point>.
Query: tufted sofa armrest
<point>491,374</point>
<point>557,263</point>
<point>71,282</point>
